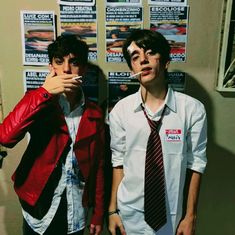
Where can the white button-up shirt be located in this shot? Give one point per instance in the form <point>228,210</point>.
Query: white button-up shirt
<point>183,135</point>
<point>70,179</point>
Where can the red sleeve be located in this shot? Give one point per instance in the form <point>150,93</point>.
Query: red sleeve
<point>17,123</point>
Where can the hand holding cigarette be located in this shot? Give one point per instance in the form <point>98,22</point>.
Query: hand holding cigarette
<point>78,78</point>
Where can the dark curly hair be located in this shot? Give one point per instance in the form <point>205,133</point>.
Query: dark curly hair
<point>147,39</point>
<point>66,44</point>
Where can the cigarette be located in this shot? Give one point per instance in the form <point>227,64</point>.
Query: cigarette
<point>136,74</point>
<point>78,78</point>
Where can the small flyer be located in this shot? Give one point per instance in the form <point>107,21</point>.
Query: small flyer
<point>172,22</point>
<point>77,2</point>
<point>90,83</point>
<point>37,32</point>
<point>81,20</point>
<point>177,80</point>
<point>33,78</point>
<point>121,84</point>
<point>120,22</point>
<point>168,2</point>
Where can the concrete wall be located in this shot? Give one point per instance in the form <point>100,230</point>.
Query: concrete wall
<point>217,198</point>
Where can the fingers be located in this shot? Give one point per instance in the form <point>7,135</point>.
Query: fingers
<point>92,229</point>
<point>68,81</point>
<point>57,84</point>
<point>119,230</point>
<point>70,85</point>
<point>115,225</point>
<point>95,229</point>
<point>51,74</point>
<point>122,230</point>
<point>64,76</point>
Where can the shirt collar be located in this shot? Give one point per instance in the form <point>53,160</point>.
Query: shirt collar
<point>169,100</point>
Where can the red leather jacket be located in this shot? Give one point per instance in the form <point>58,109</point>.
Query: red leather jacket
<point>40,114</point>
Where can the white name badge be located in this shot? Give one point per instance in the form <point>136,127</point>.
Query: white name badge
<point>173,135</point>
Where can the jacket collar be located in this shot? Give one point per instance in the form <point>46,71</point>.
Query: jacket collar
<point>87,126</point>
<point>88,123</point>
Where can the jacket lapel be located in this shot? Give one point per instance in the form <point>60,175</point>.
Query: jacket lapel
<point>87,126</point>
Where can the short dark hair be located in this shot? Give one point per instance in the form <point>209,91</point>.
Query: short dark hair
<point>147,39</point>
<point>66,44</point>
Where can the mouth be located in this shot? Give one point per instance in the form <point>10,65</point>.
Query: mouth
<point>146,71</point>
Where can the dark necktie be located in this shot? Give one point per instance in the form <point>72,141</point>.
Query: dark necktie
<point>154,191</point>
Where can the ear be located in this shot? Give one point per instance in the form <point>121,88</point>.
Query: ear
<point>50,67</point>
<point>167,65</point>
<point>83,69</point>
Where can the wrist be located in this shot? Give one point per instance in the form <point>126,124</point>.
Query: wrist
<point>113,212</point>
<point>191,217</point>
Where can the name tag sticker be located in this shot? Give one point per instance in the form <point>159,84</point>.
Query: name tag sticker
<point>173,135</point>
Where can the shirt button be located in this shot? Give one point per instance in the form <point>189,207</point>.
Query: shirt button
<point>45,95</point>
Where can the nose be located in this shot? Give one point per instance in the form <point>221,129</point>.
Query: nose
<point>66,67</point>
<point>143,58</point>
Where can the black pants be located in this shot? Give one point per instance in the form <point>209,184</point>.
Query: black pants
<point>58,225</point>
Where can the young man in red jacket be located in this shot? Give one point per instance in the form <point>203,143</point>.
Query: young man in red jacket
<point>61,172</point>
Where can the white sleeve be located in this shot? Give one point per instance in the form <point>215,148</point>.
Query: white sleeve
<point>197,139</point>
<point>118,136</point>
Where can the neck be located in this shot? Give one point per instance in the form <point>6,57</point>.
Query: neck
<point>154,97</point>
<point>73,99</point>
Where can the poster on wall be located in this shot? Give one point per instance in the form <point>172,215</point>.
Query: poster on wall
<point>172,22</point>
<point>120,22</point>
<point>123,2</point>
<point>121,84</point>
<point>90,82</point>
<point>168,2</point>
<point>176,80</point>
<point>37,32</point>
<point>81,20</point>
<point>33,78</point>
<point>77,2</point>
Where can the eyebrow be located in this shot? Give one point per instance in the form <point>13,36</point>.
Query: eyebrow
<point>133,53</point>
<point>58,58</point>
<point>74,59</point>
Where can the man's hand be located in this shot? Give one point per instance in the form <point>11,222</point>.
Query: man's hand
<point>186,226</point>
<point>95,229</point>
<point>58,84</point>
<point>116,223</point>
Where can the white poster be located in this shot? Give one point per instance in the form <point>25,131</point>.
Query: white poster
<point>38,31</point>
<point>172,22</point>
<point>82,21</point>
<point>33,78</point>
<point>120,22</point>
<point>121,84</point>
<point>176,80</point>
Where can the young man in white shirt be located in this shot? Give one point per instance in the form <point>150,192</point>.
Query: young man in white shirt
<point>183,134</point>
